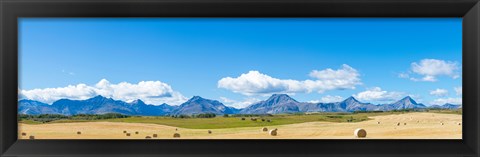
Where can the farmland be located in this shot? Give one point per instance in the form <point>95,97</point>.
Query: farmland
<point>414,125</point>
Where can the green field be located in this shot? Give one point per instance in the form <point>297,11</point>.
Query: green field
<point>227,122</point>
<point>233,122</point>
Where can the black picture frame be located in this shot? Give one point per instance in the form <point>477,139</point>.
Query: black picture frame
<point>11,10</point>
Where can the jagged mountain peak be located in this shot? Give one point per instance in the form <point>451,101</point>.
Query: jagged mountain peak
<point>351,98</point>
<point>197,105</point>
<point>138,101</point>
<point>196,98</point>
<point>99,98</point>
<point>408,99</point>
<point>280,98</point>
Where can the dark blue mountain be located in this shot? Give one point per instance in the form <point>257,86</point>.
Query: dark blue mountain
<point>351,104</point>
<point>35,107</point>
<point>447,106</point>
<point>277,103</point>
<point>198,105</point>
<point>95,105</point>
<point>282,103</point>
<point>405,103</point>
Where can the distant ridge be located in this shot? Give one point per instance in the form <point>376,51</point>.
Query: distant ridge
<point>198,105</point>
<point>95,105</point>
<point>275,104</point>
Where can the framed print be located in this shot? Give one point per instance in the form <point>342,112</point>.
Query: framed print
<point>231,78</point>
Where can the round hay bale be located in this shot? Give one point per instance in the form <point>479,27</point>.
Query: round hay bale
<point>124,131</point>
<point>176,135</point>
<point>273,132</point>
<point>441,123</point>
<point>264,129</point>
<point>243,118</point>
<point>378,122</point>
<point>155,135</point>
<point>148,137</point>
<point>360,133</point>
<point>263,120</point>
<point>31,137</point>
<point>268,120</point>
<point>128,134</point>
<point>459,123</point>
<point>24,134</point>
<point>209,131</point>
<point>79,133</point>
<point>253,119</point>
<point>136,132</point>
<point>398,124</point>
<point>404,123</point>
<point>176,129</point>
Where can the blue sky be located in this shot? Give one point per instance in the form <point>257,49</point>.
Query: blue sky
<point>374,59</point>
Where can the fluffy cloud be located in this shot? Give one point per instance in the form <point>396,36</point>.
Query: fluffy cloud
<point>377,94</point>
<point>458,90</point>
<point>256,83</point>
<point>430,69</point>
<point>442,101</point>
<point>439,92</point>
<point>152,92</point>
<point>239,104</point>
<point>329,98</point>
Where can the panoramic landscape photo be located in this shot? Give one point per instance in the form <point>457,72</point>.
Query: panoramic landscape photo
<point>240,78</point>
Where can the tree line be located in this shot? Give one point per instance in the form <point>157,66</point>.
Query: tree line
<point>45,118</point>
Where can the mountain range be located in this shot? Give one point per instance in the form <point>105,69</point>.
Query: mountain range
<point>276,104</point>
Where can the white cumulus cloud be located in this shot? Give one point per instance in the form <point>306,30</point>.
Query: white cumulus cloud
<point>439,92</point>
<point>239,104</point>
<point>442,101</point>
<point>330,98</point>
<point>430,69</point>
<point>458,90</point>
<point>256,83</point>
<point>152,92</point>
<point>377,94</point>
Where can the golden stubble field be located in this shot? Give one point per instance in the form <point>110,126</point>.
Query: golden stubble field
<point>418,126</point>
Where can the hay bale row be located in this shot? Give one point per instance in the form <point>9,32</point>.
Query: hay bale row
<point>273,132</point>
<point>176,135</point>
<point>360,133</point>
<point>264,129</point>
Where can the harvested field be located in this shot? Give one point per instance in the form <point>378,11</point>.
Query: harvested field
<point>420,126</point>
